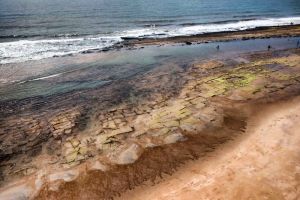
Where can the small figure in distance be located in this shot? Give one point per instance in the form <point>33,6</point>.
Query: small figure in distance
<point>292,23</point>
<point>269,47</point>
<point>218,47</point>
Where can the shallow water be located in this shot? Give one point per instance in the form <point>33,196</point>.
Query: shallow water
<point>66,74</point>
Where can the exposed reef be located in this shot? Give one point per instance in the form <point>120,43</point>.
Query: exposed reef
<point>98,142</point>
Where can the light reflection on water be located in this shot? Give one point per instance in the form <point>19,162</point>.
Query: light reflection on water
<point>114,65</point>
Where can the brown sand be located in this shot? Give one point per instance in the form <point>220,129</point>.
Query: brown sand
<point>261,164</point>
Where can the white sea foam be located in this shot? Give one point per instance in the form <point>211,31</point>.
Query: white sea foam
<point>210,28</point>
<point>24,50</point>
<point>41,78</point>
<point>241,25</point>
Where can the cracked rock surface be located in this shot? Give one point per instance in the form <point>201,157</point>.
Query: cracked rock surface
<point>149,119</point>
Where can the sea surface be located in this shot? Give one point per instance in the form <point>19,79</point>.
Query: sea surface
<point>87,71</point>
<point>37,29</point>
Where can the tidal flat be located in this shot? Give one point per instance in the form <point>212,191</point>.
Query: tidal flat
<point>92,126</point>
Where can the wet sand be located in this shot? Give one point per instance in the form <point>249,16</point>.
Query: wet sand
<point>263,163</point>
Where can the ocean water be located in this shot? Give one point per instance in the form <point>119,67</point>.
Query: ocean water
<point>36,29</point>
<point>96,70</point>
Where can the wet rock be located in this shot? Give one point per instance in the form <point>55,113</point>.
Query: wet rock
<point>87,52</point>
<point>106,49</point>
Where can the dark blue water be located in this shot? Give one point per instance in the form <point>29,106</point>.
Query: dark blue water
<point>89,17</point>
<point>36,29</point>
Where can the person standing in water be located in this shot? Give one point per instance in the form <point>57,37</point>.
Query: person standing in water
<point>269,47</point>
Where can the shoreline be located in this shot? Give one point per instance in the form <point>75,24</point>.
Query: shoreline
<point>113,146</point>
<point>19,73</point>
<point>255,33</point>
<point>130,43</point>
<point>95,142</point>
<point>245,173</point>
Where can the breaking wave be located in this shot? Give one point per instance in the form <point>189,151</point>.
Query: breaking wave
<point>26,48</point>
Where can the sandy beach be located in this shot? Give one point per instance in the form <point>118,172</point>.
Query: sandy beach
<point>263,163</point>
<point>170,120</point>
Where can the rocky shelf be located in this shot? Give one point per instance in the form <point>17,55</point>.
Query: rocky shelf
<point>102,141</point>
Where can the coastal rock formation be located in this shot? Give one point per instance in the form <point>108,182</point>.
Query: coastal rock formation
<point>71,150</point>
<point>63,123</point>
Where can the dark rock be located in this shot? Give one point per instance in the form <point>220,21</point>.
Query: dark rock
<point>129,38</point>
<point>106,49</point>
<point>87,51</point>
